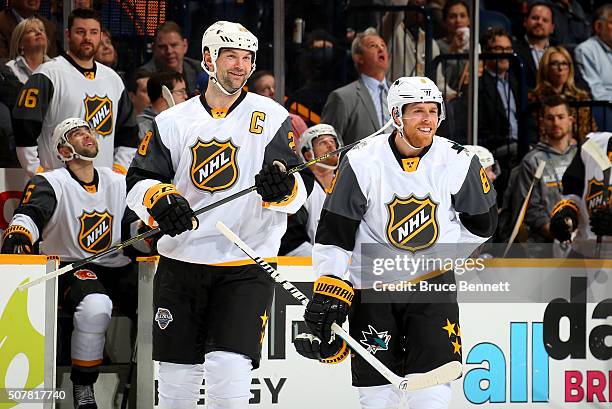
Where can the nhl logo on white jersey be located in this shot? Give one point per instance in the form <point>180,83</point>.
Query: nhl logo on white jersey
<point>213,165</point>
<point>99,113</point>
<point>412,223</point>
<point>163,317</point>
<point>594,196</point>
<point>96,233</point>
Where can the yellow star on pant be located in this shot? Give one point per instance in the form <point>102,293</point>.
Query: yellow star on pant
<point>450,328</point>
<point>458,331</point>
<point>264,319</point>
<point>456,347</point>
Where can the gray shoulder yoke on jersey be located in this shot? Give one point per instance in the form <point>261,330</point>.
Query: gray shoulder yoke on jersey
<point>347,198</point>
<point>471,197</point>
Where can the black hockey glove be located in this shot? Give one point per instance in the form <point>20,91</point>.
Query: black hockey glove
<point>273,183</point>
<point>17,240</point>
<point>170,210</point>
<point>311,347</point>
<point>331,300</point>
<point>601,222</point>
<point>564,220</point>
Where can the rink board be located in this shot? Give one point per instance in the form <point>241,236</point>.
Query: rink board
<point>27,328</point>
<point>506,364</point>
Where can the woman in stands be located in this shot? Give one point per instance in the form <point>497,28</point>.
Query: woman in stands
<point>556,77</point>
<point>28,48</point>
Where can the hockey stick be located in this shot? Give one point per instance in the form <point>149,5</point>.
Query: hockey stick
<point>198,212</point>
<point>443,374</point>
<point>167,96</point>
<point>602,161</point>
<point>521,216</point>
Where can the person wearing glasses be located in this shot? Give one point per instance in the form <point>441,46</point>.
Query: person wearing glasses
<point>497,118</point>
<point>175,82</point>
<point>556,77</point>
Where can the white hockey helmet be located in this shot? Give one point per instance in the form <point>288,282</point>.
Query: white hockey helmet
<point>312,133</point>
<point>408,90</point>
<point>226,34</point>
<point>60,137</point>
<point>484,155</point>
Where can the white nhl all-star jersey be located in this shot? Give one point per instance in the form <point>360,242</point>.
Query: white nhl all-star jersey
<point>385,204</point>
<point>210,154</point>
<point>584,185</point>
<point>75,220</point>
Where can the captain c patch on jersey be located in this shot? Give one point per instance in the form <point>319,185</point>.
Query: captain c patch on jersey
<point>99,113</point>
<point>96,231</point>
<point>412,223</point>
<point>213,165</point>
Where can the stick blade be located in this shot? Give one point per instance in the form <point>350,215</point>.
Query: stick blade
<point>595,152</point>
<point>439,376</point>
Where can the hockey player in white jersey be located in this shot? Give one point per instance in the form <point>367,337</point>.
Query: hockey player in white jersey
<point>74,85</point>
<point>211,305</point>
<point>315,141</point>
<point>408,191</point>
<point>585,207</point>
<point>75,212</point>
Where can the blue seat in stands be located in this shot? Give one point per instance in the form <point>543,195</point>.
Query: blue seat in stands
<point>490,19</point>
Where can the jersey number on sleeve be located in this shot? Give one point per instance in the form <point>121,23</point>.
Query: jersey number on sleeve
<point>485,181</point>
<point>28,98</point>
<point>28,193</point>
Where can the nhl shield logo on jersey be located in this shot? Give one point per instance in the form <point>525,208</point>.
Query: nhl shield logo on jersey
<point>96,232</point>
<point>163,317</point>
<point>412,223</point>
<point>99,113</point>
<point>213,165</point>
<point>594,197</point>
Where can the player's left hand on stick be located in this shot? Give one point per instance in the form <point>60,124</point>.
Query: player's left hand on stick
<point>169,209</point>
<point>330,302</point>
<point>16,241</point>
<point>311,347</point>
<point>601,222</point>
<point>273,182</point>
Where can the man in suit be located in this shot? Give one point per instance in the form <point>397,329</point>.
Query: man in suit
<point>498,91</point>
<point>11,16</point>
<point>359,108</point>
<point>539,25</point>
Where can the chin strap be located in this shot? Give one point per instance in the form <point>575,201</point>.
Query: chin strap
<point>212,75</point>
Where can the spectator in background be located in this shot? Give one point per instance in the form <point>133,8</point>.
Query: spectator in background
<point>456,15</point>
<point>169,49</point>
<point>403,32</point>
<point>106,53</point>
<point>360,108</point>
<point>175,82</point>
<point>137,90</point>
<point>556,77</point>
<point>539,25</point>
<point>20,10</point>
<point>497,120</point>
<point>28,48</point>
<point>557,151</point>
<point>263,83</point>
<point>594,59</point>
<point>318,67</point>
<point>571,23</point>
